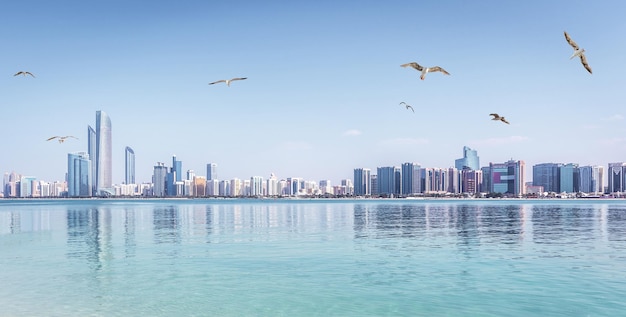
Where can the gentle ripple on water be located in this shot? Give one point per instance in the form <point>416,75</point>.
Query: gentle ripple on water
<point>312,258</point>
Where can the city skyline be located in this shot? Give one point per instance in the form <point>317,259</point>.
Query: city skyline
<point>309,108</point>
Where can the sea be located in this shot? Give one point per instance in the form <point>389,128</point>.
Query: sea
<point>312,257</point>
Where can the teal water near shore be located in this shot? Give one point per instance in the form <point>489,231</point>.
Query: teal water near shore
<point>312,257</point>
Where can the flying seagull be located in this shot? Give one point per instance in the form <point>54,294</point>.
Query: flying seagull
<point>425,70</point>
<point>24,73</point>
<point>227,81</point>
<point>62,138</point>
<point>578,52</point>
<point>498,118</point>
<point>407,106</point>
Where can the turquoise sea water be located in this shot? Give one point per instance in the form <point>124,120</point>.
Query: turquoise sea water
<point>312,258</point>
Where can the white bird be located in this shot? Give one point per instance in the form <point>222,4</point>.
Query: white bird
<point>578,52</point>
<point>407,106</point>
<point>24,73</point>
<point>498,118</point>
<point>227,81</point>
<point>425,70</point>
<point>61,138</point>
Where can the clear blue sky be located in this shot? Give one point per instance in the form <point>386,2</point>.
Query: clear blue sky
<point>324,84</point>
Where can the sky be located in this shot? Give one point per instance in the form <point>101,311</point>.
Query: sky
<point>324,84</point>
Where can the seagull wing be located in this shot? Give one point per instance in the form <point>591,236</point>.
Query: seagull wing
<point>570,41</point>
<point>503,120</point>
<point>29,73</point>
<point>18,73</point>
<point>217,82</point>
<point>52,138</point>
<point>239,78</point>
<point>407,106</point>
<point>583,60</point>
<point>403,103</point>
<point>438,69</point>
<point>414,65</point>
<point>495,115</point>
<point>71,136</point>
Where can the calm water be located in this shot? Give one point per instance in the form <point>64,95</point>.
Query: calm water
<point>312,258</point>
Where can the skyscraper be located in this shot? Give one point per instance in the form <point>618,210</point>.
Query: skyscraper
<point>104,172</point>
<point>508,177</point>
<point>211,171</point>
<point>548,175</point>
<point>79,175</point>
<point>592,179</point>
<point>469,161</point>
<point>91,151</point>
<point>411,178</point>
<point>159,178</point>
<point>177,169</point>
<point>617,177</point>
<point>569,178</point>
<point>389,180</point>
<point>129,176</point>
<point>362,182</point>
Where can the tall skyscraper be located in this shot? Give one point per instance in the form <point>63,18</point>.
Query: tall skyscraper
<point>508,177</point>
<point>159,178</point>
<point>592,179</point>
<point>389,180</point>
<point>617,177</point>
<point>129,176</point>
<point>410,178</point>
<point>569,178</point>
<point>211,171</point>
<point>104,172</point>
<point>79,175</point>
<point>470,160</point>
<point>362,182</point>
<point>91,151</point>
<point>177,169</point>
<point>548,175</point>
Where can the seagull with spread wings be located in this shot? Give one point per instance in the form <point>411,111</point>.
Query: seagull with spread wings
<point>23,73</point>
<point>577,52</point>
<point>407,106</point>
<point>425,70</point>
<point>498,118</point>
<point>62,138</point>
<point>227,81</point>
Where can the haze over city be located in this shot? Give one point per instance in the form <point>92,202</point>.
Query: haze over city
<point>323,88</point>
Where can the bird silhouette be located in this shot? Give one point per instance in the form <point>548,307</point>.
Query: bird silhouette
<point>407,106</point>
<point>228,81</point>
<point>62,138</point>
<point>578,52</point>
<point>425,70</point>
<point>498,118</point>
<point>23,73</point>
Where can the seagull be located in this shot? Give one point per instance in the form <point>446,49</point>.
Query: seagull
<point>227,81</point>
<point>62,138</point>
<point>407,106</point>
<point>425,70</point>
<point>497,117</point>
<point>577,52</point>
<point>24,73</point>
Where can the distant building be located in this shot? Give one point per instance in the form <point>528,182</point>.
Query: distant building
<point>569,178</point>
<point>362,182</point>
<point>410,178</point>
<point>211,171</point>
<point>591,179</point>
<point>617,177</point>
<point>508,177</point>
<point>129,166</point>
<point>548,175</point>
<point>469,160</point>
<point>103,159</point>
<point>389,180</point>
<point>159,179</point>
<point>79,175</point>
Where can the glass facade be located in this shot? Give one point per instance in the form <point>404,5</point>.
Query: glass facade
<point>470,160</point>
<point>129,159</point>
<point>79,175</point>
<point>362,182</point>
<point>104,173</point>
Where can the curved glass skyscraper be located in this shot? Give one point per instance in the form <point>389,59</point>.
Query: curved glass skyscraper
<point>103,179</point>
<point>129,156</point>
